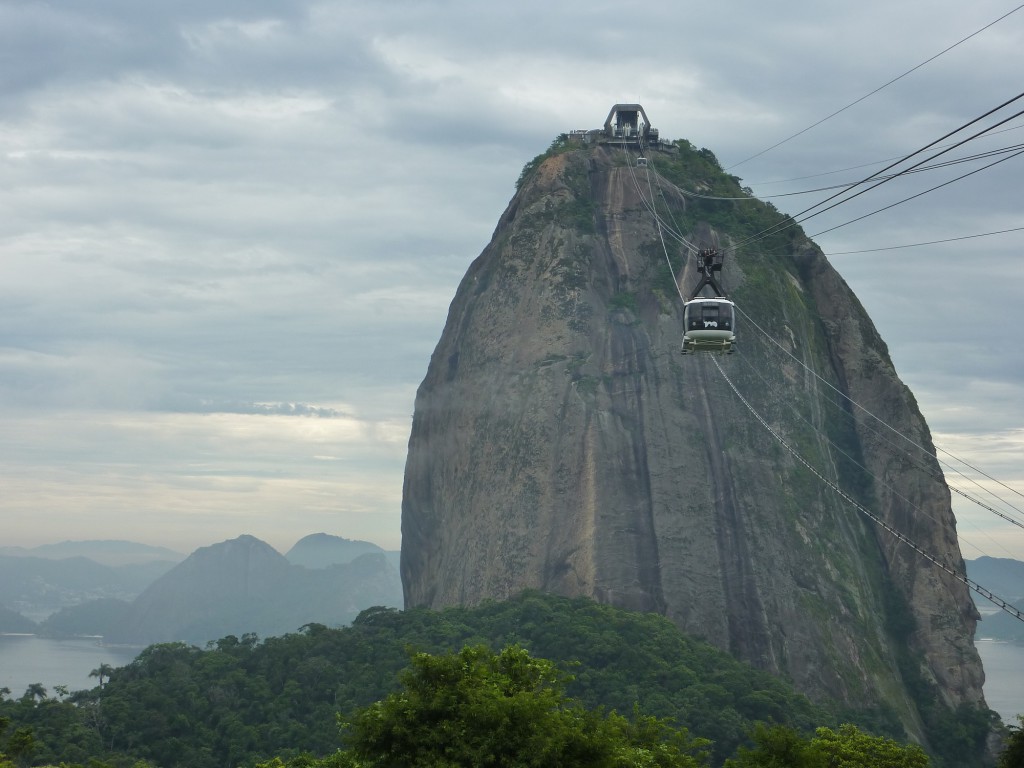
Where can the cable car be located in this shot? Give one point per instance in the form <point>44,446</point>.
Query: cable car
<point>709,323</point>
<point>641,162</point>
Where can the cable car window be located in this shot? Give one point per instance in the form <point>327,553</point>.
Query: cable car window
<point>693,318</point>
<point>725,315</point>
<point>709,316</point>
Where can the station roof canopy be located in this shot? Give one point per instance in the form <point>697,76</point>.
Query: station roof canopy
<point>625,114</point>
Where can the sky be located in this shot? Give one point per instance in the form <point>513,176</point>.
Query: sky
<point>230,231</point>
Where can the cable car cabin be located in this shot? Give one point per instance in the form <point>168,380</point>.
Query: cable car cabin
<point>641,162</point>
<point>709,325</point>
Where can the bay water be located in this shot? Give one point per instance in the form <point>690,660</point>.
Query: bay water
<point>27,659</point>
<point>1004,677</point>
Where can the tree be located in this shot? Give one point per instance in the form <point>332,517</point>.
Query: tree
<point>1013,755</point>
<point>34,692</point>
<point>776,747</point>
<point>849,747</point>
<point>21,745</point>
<point>478,708</point>
<point>102,671</point>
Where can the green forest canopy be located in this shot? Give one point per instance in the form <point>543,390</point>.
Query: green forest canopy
<point>242,700</point>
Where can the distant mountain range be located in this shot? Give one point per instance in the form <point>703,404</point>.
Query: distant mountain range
<point>39,586</point>
<point>12,622</point>
<point>106,552</point>
<point>137,594</point>
<point>1005,578</point>
<point>233,588</point>
<point>321,550</point>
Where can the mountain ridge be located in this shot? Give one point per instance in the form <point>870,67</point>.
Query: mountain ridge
<point>79,596</point>
<point>111,552</point>
<point>245,586</point>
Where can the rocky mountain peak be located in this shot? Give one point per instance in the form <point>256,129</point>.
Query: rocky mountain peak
<point>321,550</point>
<point>244,585</point>
<point>561,442</point>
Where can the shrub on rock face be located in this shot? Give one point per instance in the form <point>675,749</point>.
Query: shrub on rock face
<point>1013,755</point>
<point>848,747</point>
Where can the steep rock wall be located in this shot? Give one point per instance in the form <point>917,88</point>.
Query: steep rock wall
<point>561,442</point>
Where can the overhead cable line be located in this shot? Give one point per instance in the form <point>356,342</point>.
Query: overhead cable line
<point>848,184</point>
<point>930,242</point>
<point>657,220</point>
<point>914,197</point>
<point>955,573</point>
<point>914,460</point>
<point>662,226</point>
<point>999,602</point>
<point>852,167</point>
<point>675,226</point>
<point>860,407</point>
<point>673,231</point>
<point>794,219</point>
<point>879,88</point>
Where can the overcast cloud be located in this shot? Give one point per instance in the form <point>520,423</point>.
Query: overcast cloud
<point>231,230</point>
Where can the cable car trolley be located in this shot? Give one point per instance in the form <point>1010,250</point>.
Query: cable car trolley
<point>709,322</point>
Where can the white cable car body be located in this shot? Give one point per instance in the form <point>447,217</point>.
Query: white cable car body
<point>709,322</point>
<point>709,325</point>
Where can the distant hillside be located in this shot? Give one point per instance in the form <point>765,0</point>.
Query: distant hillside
<point>12,622</point>
<point>95,617</point>
<point>321,550</point>
<point>1002,626</point>
<point>245,586</point>
<point>37,587</point>
<point>105,552</point>
<point>54,580</point>
<point>1003,575</point>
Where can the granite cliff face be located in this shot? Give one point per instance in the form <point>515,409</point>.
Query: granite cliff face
<point>561,442</point>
